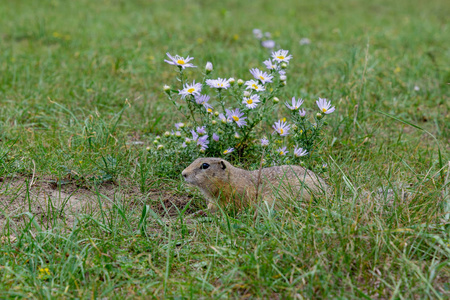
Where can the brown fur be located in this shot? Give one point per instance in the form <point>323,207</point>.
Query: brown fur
<point>227,184</point>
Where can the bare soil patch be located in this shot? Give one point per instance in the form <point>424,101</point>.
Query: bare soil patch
<point>50,203</point>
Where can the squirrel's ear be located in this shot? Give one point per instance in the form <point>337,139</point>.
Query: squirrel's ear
<point>222,164</point>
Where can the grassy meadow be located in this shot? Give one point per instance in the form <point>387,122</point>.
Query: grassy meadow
<point>87,212</point>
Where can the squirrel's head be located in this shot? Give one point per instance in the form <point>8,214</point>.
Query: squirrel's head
<point>206,170</point>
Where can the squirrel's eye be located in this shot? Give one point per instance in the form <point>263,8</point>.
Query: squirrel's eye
<point>204,166</point>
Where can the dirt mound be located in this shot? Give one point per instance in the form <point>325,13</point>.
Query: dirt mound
<point>48,202</point>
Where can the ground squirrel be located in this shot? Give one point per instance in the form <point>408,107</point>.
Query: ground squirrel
<point>224,184</point>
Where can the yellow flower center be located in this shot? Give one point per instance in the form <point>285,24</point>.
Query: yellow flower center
<point>191,90</point>
<point>225,152</point>
<point>281,152</point>
<point>324,109</point>
<point>262,78</point>
<point>181,62</point>
<point>281,130</point>
<point>236,118</point>
<point>255,86</point>
<point>280,57</point>
<point>209,110</point>
<point>221,84</point>
<point>249,101</point>
<point>284,119</point>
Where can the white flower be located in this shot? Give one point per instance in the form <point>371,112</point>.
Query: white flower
<point>271,65</point>
<point>257,33</point>
<point>229,150</point>
<point>231,80</point>
<point>295,104</point>
<point>299,152</point>
<point>325,105</point>
<point>264,142</point>
<point>224,119</point>
<point>179,61</point>
<point>191,89</point>
<point>209,66</point>
<point>282,151</point>
<point>247,93</point>
<point>218,83</point>
<point>302,112</point>
<point>179,125</point>
<point>237,116</point>
<point>254,85</point>
<point>240,82</point>
<point>215,137</point>
<point>281,127</point>
<point>269,44</point>
<point>283,77</point>
<point>416,88</point>
<point>203,100</point>
<point>201,130</point>
<point>251,101</point>
<point>260,75</point>
<point>203,142</point>
<point>194,135</point>
<point>166,88</point>
<point>305,41</point>
<point>281,56</point>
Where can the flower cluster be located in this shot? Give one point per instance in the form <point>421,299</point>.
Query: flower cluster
<point>224,116</point>
<point>264,38</point>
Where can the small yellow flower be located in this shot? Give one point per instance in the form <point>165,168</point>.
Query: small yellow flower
<point>44,273</point>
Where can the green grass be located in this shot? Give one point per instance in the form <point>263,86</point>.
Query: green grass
<point>66,133</point>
